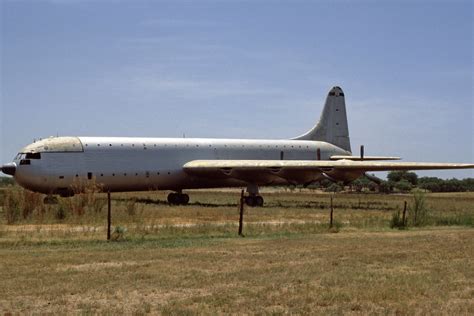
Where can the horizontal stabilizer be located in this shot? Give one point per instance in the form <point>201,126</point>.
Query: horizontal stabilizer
<point>358,158</point>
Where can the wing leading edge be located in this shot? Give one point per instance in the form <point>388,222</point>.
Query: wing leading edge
<point>302,171</point>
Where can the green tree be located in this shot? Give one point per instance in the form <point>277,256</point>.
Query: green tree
<point>432,184</point>
<point>385,187</point>
<point>360,184</point>
<point>399,175</point>
<point>334,187</point>
<point>403,186</point>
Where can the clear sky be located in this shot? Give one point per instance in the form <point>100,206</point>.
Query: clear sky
<point>241,69</point>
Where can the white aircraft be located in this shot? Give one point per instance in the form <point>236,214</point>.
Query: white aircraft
<point>54,165</point>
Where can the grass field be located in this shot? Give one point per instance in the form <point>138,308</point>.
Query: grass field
<point>189,259</point>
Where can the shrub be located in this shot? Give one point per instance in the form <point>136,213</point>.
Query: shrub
<point>31,201</point>
<point>336,227</point>
<point>19,202</point>
<point>118,233</point>
<point>397,221</point>
<point>334,188</point>
<point>13,205</point>
<point>402,186</point>
<point>419,213</point>
<point>385,187</point>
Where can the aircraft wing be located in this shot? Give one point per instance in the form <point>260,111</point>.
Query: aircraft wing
<point>302,171</point>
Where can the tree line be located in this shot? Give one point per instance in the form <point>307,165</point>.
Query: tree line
<point>397,181</point>
<point>405,181</point>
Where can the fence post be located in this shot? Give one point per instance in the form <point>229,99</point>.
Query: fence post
<point>404,214</point>
<point>241,208</point>
<point>109,215</point>
<point>331,214</point>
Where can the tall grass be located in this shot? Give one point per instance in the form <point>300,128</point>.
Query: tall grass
<point>215,213</point>
<point>20,204</point>
<point>419,213</point>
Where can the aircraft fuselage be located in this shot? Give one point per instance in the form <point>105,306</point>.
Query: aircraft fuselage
<point>138,164</point>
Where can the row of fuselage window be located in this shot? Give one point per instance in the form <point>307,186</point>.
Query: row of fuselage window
<point>210,146</point>
<point>146,174</point>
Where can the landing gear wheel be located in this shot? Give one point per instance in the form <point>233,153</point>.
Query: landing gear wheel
<point>173,198</point>
<point>250,201</point>
<point>183,199</point>
<point>254,200</point>
<point>178,199</point>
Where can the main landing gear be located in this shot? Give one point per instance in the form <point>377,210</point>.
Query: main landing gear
<point>178,198</point>
<point>253,199</point>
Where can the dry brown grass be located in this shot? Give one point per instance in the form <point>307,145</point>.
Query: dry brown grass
<point>414,272</point>
<point>216,213</point>
<point>188,259</point>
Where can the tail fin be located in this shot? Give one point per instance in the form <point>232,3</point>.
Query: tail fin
<point>332,126</point>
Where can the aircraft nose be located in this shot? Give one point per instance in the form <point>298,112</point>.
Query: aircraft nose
<point>9,168</point>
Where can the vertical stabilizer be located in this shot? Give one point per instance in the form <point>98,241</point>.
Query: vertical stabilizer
<point>332,126</point>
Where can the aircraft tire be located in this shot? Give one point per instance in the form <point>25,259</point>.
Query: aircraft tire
<point>173,199</point>
<point>178,199</point>
<point>183,199</point>
<point>254,201</point>
<point>251,201</point>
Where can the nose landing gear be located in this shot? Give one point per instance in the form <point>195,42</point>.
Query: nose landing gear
<point>178,198</point>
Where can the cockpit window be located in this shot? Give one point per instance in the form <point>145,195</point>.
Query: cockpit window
<point>33,156</point>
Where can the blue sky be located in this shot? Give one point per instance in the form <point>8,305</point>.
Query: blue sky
<point>241,69</point>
